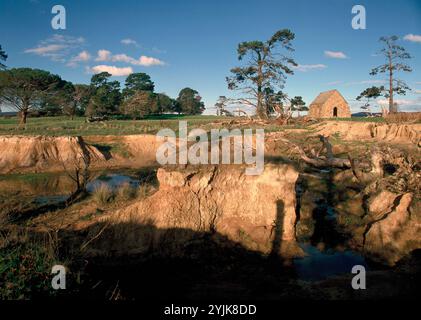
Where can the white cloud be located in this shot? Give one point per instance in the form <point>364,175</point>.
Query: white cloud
<point>333,83</point>
<point>123,58</point>
<point>335,54</point>
<point>103,55</point>
<point>366,82</point>
<point>413,37</point>
<point>68,40</point>
<point>82,56</point>
<point>45,50</point>
<point>57,47</point>
<point>417,91</point>
<point>309,67</point>
<point>113,70</point>
<point>149,61</point>
<point>129,41</point>
<point>401,102</point>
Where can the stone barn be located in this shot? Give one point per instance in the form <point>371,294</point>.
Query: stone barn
<point>329,104</point>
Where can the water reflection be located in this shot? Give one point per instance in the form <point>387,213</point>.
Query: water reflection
<point>50,188</point>
<point>319,265</point>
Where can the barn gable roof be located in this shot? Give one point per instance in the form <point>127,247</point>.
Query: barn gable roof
<point>324,96</point>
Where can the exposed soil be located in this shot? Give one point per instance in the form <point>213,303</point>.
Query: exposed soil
<point>213,231</point>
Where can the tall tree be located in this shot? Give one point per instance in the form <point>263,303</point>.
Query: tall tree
<point>106,95</point>
<point>265,70</point>
<point>190,102</point>
<point>25,89</point>
<point>395,56</point>
<point>369,94</point>
<point>139,104</point>
<point>137,82</point>
<point>3,57</point>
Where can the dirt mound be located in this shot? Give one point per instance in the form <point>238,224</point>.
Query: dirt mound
<point>142,146</point>
<point>400,133</point>
<point>256,211</point>
<point>43,153</point>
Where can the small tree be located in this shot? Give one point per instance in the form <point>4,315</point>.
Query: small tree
<point>3,57</point>
<point>298,104</point>
<point>220,105</point>
<point>395,56</point>
<point>369,94</point>
<point>264,72</point>
<point>25,89</point>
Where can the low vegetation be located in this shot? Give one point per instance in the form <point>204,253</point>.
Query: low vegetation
<point>59,126</point>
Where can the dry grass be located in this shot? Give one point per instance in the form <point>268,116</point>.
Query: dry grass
<point>103,194</point>
<point>145,190</point>
<point>402,117</point>
<point>126,192</point>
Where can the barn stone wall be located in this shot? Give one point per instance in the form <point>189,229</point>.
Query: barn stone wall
<point>326,109</point>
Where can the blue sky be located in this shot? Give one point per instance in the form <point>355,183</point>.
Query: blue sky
<point>190,43</point>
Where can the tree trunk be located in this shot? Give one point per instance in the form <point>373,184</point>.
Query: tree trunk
<point>23,116</point>
<point>391,105</point>
<point>261,106</point>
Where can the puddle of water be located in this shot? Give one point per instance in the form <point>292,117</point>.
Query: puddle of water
<point>44,189</point>
<point>319,265</point>
<point>113,180</point>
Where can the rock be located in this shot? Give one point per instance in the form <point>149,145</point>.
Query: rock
<point>396,234</point>
<point>256,211</point>
<point>381,203</point>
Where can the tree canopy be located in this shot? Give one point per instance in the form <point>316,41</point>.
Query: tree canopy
<point>298,104</point>
<point>190,102</point>
<point>105,95</point>
<point>369,94</point>
<point>139,105</point>
<point>395,55</point>
<point>25,89</point>
<point>137,82</point>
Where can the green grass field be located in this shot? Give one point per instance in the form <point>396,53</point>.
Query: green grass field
<point>59,126</point>
<point>64,126</point>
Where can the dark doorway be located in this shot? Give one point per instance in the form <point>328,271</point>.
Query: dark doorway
<point>335,112</point>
